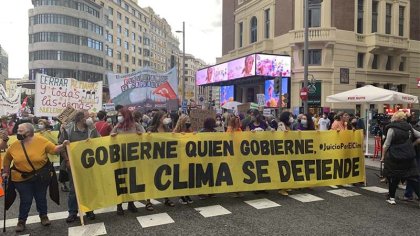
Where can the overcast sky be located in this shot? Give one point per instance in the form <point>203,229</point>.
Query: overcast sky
<point>203,28</point>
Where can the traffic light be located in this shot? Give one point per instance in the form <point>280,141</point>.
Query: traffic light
<point>277,85</point>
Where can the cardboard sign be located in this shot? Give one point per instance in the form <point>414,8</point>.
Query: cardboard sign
<point>267,112</point>
<point>243,108</point>
<point>198,117</point>
<point>261,99</point>
<point>67,114</point>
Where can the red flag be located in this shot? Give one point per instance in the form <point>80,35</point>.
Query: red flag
<point>165,90</point>
<point>24,103</point>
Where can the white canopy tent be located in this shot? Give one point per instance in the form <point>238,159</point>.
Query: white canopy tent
<point>372,95</point>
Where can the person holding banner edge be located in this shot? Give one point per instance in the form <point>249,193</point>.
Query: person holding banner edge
<point>81,128</point>
<point>126,125</point>
<point>31,171</point>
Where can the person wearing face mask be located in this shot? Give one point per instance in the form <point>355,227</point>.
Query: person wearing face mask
<point>126,125</point>
<point>29,155</point>
<point>220,125</point>
<point>306,123</point>
<point>184,126</point>
<point>81,128</point>
<point>324,122</point>
<point>102,126</point>
<point>168,122</point>
<point>340,122</point>
<point>257,123</point>
<point>285,124</point>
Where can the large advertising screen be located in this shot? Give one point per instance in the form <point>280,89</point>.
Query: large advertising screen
<point>226,94</point>
<point>251,65</point>
<point>272,65</point>
<point>272,99</point>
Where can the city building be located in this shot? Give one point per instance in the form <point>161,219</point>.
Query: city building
<point>192,64</point>
<point>4,66</point>
<point>352,43</point>
<point>91,38</point>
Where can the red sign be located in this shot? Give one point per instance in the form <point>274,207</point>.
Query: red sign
<point>418,82</point>
<point>304,94</point>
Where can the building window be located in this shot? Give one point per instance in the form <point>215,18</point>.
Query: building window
<point>127,21</point>
<point>134,24</point>
<point>388,19</point>
<point>127,70</point>
<point>111,11</point>
<point>126,46</point>
<point>374,16</point>
<point>254,30</point>
<point>119,29</point>
<point>267,23</point>
<point>126,58</point>
<point>119,55</point>
<point>119,15</point>
<point>360,6</point>
<point>360,60</point>
<point>133,60</point>
<point>109,51</point>
<point>118,69</point>
<point>314,13</point>
<point>119,42</point>
<point>139,62</point>
<point>126,32</point>
<point>133,47</point>
<point>241,34</point>
<point>401,22</point>
<point>133,36</point>
<point>389,63</point>
<point>402,64</point>
<point>315,57</point>
<point>375,62</point>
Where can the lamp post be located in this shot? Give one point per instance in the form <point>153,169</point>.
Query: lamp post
<point>183,59</point>
<point>305,55</point>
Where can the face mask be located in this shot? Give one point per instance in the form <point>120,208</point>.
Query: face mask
<point>218,123</point>
<point>89,121</point>
<point>304,123</point>
<point>109,120</point>
<point>187,125</point>
<point>120,119</point>
<point>167,121</point>
<point>41,127</point>
<point>20,136</point>
<point>291,120</point>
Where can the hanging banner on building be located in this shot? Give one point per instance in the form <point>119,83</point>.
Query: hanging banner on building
<point>143,89</point>
<point>9,105</point>
<point>112,170</point>
<point>53,95</point>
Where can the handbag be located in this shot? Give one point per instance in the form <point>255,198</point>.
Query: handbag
<point>43,174</point>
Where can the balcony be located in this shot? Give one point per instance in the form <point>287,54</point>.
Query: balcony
<point>265,45</point>
<point>315,35</point>
<point>384,41</point>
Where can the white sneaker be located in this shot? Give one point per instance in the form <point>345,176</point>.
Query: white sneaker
<point>391,201</point>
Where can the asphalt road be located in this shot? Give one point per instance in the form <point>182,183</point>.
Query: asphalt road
<point>366,213</point>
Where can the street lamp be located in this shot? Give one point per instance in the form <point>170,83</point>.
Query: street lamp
<point>305,55</point>
<point>183,59</point>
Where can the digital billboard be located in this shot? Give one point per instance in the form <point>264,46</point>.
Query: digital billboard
<point>272,99</point>
<point>272,65</point>
<point>251,65</point>
<point>226,94</point>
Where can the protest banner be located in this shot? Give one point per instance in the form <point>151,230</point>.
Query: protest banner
<point>143,89</point>
<point>110,170</point>
<point>9,104</point>
<point>261,99</point>
<point>198,117</point>
<point>67,114</point>
<point>53,95</point>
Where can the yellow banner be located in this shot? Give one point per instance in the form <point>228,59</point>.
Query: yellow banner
<point>111,170</point>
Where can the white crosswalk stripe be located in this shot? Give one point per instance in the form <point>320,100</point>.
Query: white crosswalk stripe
<point>155,220</point>
<point>88,230</point>
<point>305,197</point>
<point>262,203</point>
<point>375,189</point>
<point>211,211</point>
<point>344,193</point>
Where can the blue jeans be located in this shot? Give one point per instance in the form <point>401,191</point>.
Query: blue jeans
<point>409,190</point>
<point>27,191</point>
<point>71,199</point>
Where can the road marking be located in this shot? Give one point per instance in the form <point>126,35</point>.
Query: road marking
<point>333,186</point>
<point>262,203</point>
<point>344,193</point>
<point>347,186</point>
<point>305,197</point>
<point>155,220</point>
<point>376,189</point>
<point>88,230</point>
<point>211,211</point>
<point>63,214</point>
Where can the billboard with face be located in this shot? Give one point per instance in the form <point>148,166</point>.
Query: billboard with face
<point>273,65</point>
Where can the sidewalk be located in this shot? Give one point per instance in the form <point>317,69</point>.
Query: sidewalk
<point>369,161</point>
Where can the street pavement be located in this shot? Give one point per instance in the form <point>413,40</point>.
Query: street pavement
<point>333,210</point>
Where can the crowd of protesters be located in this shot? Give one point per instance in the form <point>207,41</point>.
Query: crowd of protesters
<point>87,125</point>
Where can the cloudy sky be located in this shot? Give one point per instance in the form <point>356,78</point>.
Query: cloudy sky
<point>203,28</point>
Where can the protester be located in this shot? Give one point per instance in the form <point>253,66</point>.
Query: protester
<point>184,126</point>
<point>399,155</point>
<point>157,126</point>
<point>126,125</point>
<point>29,155</point>
<point>408,194</point>
<point>101,125</point>
<point>25,119</point>
<point>296,123</point>
<point>81,128</point>
<point>257,123</point>
<point>220,125</point>
<point>246,120</point>
<point>324,122</point>
<point>272,123</point>
<point>306,123</point>
<point>234,124</point>
<point>340,122</point>
<point>285,124</point>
